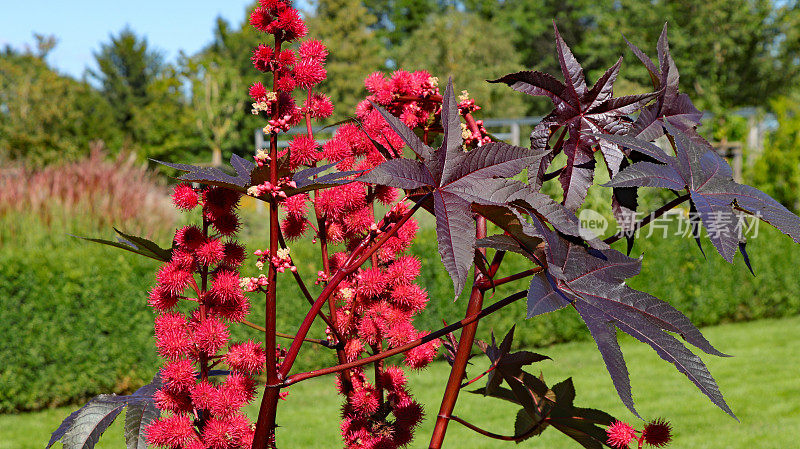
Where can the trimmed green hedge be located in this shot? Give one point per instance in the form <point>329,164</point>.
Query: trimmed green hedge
<point>76,323</point>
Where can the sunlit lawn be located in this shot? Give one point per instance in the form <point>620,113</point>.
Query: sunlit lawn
<point>760,383</point>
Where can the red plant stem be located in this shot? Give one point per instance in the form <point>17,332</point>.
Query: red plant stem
<point>462,354</point>
<point>329,289</point>
<point>496,261</point>
<point>486,285</point>
<point>496,436</point>
<point>265,426</point>
<point>203,288</point>
<point>646,220</point>
<point>284,335</point>
<point>479,377</point>
<point>299,377</point>
<point>300,283</point>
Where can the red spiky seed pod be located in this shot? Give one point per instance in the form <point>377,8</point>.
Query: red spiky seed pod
<point>189,237</point>
<point>171,431</point>
<point>210,252</point>
<point>657,433</point>
<point>185,197</point>
<point>233,254</point>
<point>620,434</point>
<point>173,279</point>
<point>210,335</point>
<point>248,357</point>
<point>178,375</point>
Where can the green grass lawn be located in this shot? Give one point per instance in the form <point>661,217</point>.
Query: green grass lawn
<point>760,383</point>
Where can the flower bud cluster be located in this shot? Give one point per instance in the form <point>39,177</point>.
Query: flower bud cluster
<point>201,414</point>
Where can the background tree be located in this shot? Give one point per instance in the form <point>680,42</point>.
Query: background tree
<point>46,117</point>
<point>445,45</point>
<point>397,19</point>
<point>217,103</point>
<point>354,50</point>
<point>126,69</point>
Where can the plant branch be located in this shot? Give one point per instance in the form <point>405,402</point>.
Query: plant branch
<point>462,355</point>
<point>347,269</point>
<point>496,436</point>
<point>299,377</point>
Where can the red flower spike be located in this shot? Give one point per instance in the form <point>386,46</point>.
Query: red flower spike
<point>620,434</point>
<point>657,433</point>
<point>184,197</point>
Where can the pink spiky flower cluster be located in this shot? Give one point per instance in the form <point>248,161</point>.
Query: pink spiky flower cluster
<point>203,270</point>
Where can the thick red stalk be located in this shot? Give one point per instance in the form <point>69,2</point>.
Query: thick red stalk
<point>265,426</point>
<point>462,355</point>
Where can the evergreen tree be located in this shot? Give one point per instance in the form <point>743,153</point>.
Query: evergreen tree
<point>354,50</point>
<point>471,50</point>
<point>126,69</point>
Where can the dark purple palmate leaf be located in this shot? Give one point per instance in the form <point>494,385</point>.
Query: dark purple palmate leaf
<point>82,428</point>
<point>135,244</point>
<point>542,407</point>
<point>457,180</point>
<point>717,198</point>
<point>579,112</point>
<point>593,281</point>
<point>670,103</point>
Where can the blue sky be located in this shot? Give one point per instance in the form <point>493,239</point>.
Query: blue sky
<point>82,25</point>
